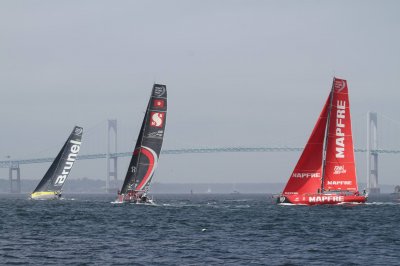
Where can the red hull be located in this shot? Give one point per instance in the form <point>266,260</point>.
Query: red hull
<point>321,199</point>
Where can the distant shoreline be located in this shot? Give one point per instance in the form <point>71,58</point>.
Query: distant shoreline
<point>93,186</point>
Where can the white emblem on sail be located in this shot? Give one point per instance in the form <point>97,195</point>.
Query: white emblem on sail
<point>157,119</point>
<point>78,131</point>
<point>159,91</point>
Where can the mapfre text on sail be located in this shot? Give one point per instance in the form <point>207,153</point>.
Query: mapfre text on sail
<point>340,125</point>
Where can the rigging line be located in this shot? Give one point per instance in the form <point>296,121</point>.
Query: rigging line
<point>141,134</point>
<point>57,146</point>
<point>59,162</point>
<point>95,126</point>
<point>47,150</point>
<point>355,116</point>
<point>126,133</point>
<point>389,118</point>
<point>145,123</point>
<point>53,148</point>
<point>326,139</point>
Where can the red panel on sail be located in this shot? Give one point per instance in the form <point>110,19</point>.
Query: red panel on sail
<point>306,176</point>
<point>158,103</point>
<point>340,170</point>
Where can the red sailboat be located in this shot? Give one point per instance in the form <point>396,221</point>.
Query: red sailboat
<point>326,171</point>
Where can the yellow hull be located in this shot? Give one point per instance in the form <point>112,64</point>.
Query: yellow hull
<point>45,195</point>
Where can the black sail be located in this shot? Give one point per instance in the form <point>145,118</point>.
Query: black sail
<point>59,170</point>
<point>148,145</point>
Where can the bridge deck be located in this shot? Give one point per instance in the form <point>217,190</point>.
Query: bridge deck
<point>9,163</point>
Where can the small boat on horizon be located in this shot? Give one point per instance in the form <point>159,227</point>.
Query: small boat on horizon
<point>396,193</point>
<point>50,187</point>
<point>147,150</point>
<point>326,171</point>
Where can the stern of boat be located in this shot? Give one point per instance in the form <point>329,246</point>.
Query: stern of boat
<point>133,199</point>
<point>281,199</point>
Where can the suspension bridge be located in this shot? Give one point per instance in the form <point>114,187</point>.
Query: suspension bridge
<point>112,156</point>
<point>10,163</point>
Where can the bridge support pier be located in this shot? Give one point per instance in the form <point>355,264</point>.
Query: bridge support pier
<point>112,161</point>
<point>372,154</point>
<point>15,181</point>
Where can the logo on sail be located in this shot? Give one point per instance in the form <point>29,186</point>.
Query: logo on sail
<point>339,85</point>
<point>69,162</point>
<point>159,103</point>
<point>78,131</point>
<point>306,175</point>
<point>156,134</point>
<point>159,91</point>
<point>339,183</point>
<point>339,169</point>
<point>157,119</point>
<point>133,169</point>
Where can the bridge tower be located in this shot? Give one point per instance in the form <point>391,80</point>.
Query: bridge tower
<point>372,154</point>
<point>15,181</point>
<point>112,161</point>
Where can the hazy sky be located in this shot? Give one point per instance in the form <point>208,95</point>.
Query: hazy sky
<point>238,73</point>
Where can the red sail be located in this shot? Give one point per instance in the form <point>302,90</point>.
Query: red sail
<point>306,176</point>
<point>340,170</point>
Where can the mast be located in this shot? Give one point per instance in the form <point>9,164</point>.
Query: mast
<point>326,137</point>
<point>142,137</point>
<point>145,123</point>
<point>130,178</point>
<point>148,145</point>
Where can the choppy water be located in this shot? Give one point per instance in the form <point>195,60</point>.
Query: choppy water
<point>196,230</point>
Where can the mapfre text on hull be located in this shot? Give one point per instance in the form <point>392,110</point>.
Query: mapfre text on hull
<point>321,199</point>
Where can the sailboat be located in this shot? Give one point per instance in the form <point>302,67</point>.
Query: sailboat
<point>326,171</point>
<point>50,187</point>
<point>147,150</point>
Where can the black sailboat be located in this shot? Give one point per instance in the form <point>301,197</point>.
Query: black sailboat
<point>147,150</point>
<point>50,186</point>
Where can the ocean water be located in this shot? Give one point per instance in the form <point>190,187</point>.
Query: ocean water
<point>196,230</point>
